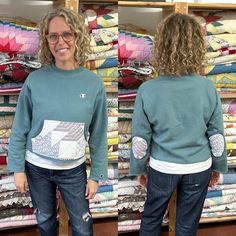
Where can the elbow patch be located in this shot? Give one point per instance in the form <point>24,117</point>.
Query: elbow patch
<point>217,144</point>
<point>139,147</point>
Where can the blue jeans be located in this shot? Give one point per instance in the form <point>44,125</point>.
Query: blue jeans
<point>191,193</point>
<point>71,184</point>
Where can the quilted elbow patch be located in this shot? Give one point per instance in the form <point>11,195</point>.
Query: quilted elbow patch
<point>217,144</point>
<point>139,147</point>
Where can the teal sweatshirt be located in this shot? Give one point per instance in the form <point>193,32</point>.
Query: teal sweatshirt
<point>58,111</point>
<point>173,121</point>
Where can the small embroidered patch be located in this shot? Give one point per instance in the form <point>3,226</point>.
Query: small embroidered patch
<point>82,95</point>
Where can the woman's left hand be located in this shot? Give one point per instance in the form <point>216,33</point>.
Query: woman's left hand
<point>91,189</point>
<point>215,176</point>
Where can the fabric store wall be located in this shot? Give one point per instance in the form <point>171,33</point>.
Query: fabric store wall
<point>33,10</point>
<point>147,18</point>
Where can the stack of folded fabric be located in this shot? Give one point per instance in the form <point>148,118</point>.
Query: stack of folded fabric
<point>104,204</point>
<point>221,199</point>
<point>18,48</point>
<point>229,116</point>
<point>134,61</point>
<point>131,201</point>
<point>15,207</point>
<point>134,68</point>
<point>102,21</point>
<point>220,67</point>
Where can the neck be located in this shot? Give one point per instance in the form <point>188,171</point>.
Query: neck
<point>66,65</point>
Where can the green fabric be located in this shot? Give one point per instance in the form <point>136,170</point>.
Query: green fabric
<point>176,116</point>
<point>54,94</point>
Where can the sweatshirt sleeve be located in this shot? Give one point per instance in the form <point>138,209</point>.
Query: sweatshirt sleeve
<point>141,138</point>
<point>21,127</point>
<point>98,138</point>
<point>215,132</point>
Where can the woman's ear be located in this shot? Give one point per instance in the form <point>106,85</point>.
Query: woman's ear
<point>204,30</point>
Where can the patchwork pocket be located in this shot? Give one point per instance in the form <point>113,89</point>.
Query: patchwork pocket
<point>60,140</point>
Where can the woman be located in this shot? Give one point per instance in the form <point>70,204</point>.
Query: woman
<point>177,122</point>
<point>59,105</point>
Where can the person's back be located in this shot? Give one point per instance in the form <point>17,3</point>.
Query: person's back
<point>177,123</point>
<point>178,108</point>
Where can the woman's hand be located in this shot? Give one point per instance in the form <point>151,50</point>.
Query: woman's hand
<point>20,181</point>
<point>215,176</point>
<point>91,189</point>
<point>143,179</point>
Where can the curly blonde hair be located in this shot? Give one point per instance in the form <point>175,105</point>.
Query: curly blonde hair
<point>76,22</point>
<point>179,47</point>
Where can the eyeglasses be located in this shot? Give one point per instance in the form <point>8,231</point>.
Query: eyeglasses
<point>66,35</point>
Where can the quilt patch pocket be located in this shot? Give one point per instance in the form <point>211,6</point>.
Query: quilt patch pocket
<point>60,140</point>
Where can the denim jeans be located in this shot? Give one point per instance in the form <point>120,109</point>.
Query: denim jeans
<point>71,184</point>
<point>191,193</point>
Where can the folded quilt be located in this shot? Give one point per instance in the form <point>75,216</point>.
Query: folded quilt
<point>219,69</point>
<point>106,54</point>
<point>134,46</point>
<point>229,59</point>
<point>222,200</point>
<point>229,118</point>
<point>106,196</point>
<point>104,36</point>
<point>218,193</point>
<point>102,63</point>
<point>17,38</point>
<point>100,16</point>
<point>6,121</point>
<point>223,80</point>
<point>215,42</point>
<point>108,203</point>
<point>217,22</point>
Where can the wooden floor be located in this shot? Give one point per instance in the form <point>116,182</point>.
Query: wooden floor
<point>102,227</point>
<point>108,227</point>
<point>214,229</point>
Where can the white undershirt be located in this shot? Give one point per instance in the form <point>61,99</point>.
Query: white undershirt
<point>176,168</point>
<point>50,163</point>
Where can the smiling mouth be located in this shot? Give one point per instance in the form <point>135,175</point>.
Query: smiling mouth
<point>62,50</point>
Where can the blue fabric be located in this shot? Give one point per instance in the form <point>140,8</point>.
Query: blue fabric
<point>71,184</point>
<point>191,193</point>
<point>229,179</point>
<point>223,68</point>
<point>105,188</point>
<point>214,193</point>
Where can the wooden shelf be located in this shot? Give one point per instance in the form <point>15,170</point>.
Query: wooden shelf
<point>97,1</point>
<point>145,4</point>
<point>214,220</point>
<point>104,215</point>
<point>212,6</point>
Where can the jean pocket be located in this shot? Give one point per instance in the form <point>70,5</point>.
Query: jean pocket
<point>199,180</point>
<point>60,140</point>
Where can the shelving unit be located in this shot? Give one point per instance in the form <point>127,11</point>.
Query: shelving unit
<point>74,5</point>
